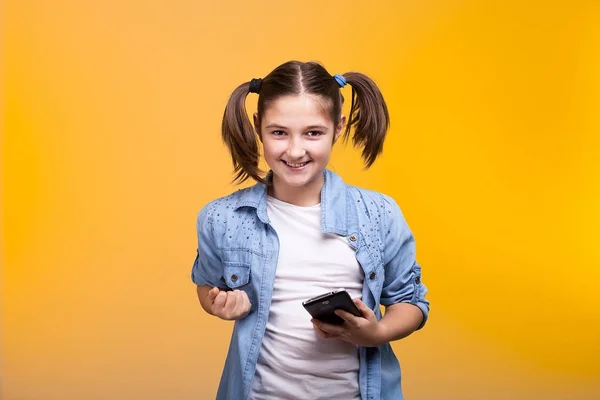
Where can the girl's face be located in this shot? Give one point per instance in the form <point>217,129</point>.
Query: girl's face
<point>297,135</point>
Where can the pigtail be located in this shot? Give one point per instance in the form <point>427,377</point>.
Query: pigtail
<point>368,116</point>
<point>238,134</point>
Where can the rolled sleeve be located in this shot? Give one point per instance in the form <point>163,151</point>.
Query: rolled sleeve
<point>403,281</point>
<point>208,267</point>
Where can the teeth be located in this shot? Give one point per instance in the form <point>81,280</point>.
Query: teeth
<point>296,165</point>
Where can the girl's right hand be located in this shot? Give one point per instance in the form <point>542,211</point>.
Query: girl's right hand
<point>228,305</point>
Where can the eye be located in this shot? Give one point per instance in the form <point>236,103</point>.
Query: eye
<point>278,133</point>
<point>315,133</point>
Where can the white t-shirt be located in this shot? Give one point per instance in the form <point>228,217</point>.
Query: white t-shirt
<point>294,362</point>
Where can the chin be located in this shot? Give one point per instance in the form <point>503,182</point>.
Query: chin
<point>292,180</point>
<point>296,181</point>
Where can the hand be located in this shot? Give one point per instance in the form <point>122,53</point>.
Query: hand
<point>363,331</point>
<point>228,305</point>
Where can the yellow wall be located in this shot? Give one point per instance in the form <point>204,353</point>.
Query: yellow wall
<point>112,146</point>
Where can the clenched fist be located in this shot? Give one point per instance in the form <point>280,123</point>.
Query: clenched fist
<point>228,305</point>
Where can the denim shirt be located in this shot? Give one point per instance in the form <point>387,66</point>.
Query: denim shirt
<point>238,249</point>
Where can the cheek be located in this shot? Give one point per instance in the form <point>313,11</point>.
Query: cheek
<point>322,151</point>
<point>271,149</point>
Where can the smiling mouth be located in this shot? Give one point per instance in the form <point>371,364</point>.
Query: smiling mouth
<point>295,165</point>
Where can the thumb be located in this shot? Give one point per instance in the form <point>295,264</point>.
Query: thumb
<point>212,294</point>
<point>364,309</point>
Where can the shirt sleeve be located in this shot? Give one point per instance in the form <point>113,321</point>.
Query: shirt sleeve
<point>208,267</point>
<point>403,282</point>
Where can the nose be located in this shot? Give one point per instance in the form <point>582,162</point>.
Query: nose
<point>296,148</point>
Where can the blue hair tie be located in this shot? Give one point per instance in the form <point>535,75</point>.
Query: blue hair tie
<point>340,80</point>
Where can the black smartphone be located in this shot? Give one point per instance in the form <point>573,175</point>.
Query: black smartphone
<point>322,307</point>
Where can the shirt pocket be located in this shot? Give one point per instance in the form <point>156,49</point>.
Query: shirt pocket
<point>239,264</point>
<point>236,274</point>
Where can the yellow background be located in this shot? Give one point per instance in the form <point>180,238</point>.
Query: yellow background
<point>112,144</point>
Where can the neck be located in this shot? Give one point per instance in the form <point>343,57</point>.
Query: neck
<point>304,196</point>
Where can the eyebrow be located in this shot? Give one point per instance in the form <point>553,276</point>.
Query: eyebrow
<point>270,126</point>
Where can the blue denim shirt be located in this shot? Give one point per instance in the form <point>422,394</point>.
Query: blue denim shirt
<point>238,249</point>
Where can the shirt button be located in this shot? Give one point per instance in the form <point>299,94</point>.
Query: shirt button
<point>418,280</point>
<point>234,278</point>
<point>353,238</point>
<point>372,276</point>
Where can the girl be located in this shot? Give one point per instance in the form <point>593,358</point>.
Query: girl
<point>299,232</point>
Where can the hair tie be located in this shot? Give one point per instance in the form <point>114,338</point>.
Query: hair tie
<point>255,85</point>
<point>341,81</point>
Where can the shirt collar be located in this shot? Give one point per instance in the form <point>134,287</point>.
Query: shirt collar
<point>334,210</point>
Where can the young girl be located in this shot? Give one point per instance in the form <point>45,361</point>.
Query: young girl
<point>299,232</point>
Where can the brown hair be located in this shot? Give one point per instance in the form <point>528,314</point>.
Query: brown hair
<point>368,112</point>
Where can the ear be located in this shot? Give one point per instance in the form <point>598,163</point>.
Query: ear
<point>339,128</point>
<point>257,125</point>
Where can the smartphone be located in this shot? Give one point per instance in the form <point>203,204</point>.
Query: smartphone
<point>323,306</point>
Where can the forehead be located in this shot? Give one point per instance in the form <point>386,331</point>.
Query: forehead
<point>297,111</point>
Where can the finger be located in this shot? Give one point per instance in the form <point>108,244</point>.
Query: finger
<point>329,328</point>
<point>246,305</point>
<point>243,295</point>
<point>319,332</point>
<point>241,304</point>
<point>219,301</point>
<point>322,334</point>
<point>346,316</point>
<point>231,301</point>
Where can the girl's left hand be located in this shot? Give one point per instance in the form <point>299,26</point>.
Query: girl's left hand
<point>363,331</point>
